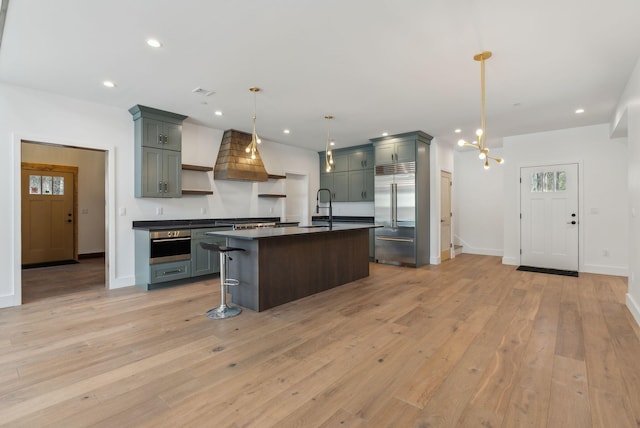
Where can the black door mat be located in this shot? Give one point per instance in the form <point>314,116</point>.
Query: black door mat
<point>547,270</point>
<point>47,264</point>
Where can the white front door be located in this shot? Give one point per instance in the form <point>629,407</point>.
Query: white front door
<point>549,216</point>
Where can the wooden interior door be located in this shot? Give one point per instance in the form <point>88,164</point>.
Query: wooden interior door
<point>445,215</point>
<point>49,227</point>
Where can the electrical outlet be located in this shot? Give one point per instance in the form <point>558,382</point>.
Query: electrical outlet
<point>123,211</point>
<point>203,210</point>
<point>159,211</point>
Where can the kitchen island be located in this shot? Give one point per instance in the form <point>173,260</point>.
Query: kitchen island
<point>280,265</point>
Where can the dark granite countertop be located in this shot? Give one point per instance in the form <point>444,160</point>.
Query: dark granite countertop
<point>203,223</point>
<point>252,234</point>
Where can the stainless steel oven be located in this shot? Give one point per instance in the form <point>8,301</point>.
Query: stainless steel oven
<point>169,246</point>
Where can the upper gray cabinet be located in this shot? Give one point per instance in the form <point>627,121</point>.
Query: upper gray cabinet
<point>157,152</point>
<point>361,159</point>
<point>395,151</point>
<point>351,178</point>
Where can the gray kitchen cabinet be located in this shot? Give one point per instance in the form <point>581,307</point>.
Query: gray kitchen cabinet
<point>171,271</point>
<point>351,179</point>
<point>157,152</point>
<point>360,159</point>
<point>337,183</point>
<point>395,151</point>
<point>160,173</point>
<point>160,134</point>
<point>361,186</point>
<point>204,262</point>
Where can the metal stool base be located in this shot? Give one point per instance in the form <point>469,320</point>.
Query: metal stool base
<point>223,311</point>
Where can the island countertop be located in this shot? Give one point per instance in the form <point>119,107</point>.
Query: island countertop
<point>251,234</point>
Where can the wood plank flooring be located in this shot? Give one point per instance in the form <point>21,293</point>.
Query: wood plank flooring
<point>467,343</point>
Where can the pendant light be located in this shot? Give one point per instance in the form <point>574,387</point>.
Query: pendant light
<point>253,145</point>
<point>480,143</point>
<point>328,158</point>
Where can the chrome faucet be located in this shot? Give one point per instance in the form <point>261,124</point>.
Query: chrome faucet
<point>330,207</point>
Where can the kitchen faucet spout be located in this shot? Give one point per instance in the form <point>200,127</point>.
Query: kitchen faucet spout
<point>330,206</point>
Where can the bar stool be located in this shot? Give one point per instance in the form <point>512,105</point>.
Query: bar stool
<point>224,310</point>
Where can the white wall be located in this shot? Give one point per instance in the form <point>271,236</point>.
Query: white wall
<point>91,184</point>
<point>603,192</point>
<point>478,201</point>
<point>626,122</point>
<point>27,114</point>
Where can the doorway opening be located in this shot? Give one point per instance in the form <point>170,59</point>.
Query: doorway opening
<point>64,223</point>
<point>446,243</point>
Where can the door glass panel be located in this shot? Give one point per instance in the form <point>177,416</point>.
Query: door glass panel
<point>536,182</point>
<point>34,185</point>
<point>561,181</point>
<point>58,185</point>
<point>47,184</point>
<point>548,182</point>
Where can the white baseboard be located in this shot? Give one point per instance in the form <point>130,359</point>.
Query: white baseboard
<point>513,261</point>
<point>634,308</point>
<point>605,270</point>
<point>8,301</point>
<point>122,282</point>
<point>469,249</point>
<point>435,260</point>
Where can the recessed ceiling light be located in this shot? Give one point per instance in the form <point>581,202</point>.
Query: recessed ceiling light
<point>384,134</point>
<point>580,111</point>
<point>109,84</point>
<point>218,113</point>
<point>286,131</point>
<point>457,131</point>
<point>154,43</point>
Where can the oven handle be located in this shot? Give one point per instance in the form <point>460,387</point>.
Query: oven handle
<point>171,239</point>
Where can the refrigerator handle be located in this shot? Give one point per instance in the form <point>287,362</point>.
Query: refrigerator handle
<point>394,205</point>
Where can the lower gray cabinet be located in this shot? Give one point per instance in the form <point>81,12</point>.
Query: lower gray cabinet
<point>170,271</point>
<point>204,262</point>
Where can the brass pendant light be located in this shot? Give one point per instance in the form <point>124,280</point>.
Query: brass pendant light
<point>480,144</point>
<point>255,140</point>
<point>328,157</point>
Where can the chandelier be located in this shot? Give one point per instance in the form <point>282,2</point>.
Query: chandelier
<point>480,143</point>
<point>255,140</point>
<point>328,157</point>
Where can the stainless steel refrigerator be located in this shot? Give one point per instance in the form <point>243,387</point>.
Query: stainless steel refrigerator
<point>401,201</point>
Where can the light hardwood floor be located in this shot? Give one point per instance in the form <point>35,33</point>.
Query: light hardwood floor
<point>467,343</point>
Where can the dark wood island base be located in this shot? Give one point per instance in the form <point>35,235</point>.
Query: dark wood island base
<point>283,265</point>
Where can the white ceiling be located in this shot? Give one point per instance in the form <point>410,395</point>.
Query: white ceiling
<point>376,65</point>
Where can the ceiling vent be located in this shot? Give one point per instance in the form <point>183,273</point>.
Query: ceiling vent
<point>234,163</point>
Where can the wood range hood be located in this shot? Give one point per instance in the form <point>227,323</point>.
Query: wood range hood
<point>234,163</point>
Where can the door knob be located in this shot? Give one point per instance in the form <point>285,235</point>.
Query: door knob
<point>573,214</point>
<point>571,222</point>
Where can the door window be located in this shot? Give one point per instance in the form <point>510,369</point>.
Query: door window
<point>46,185</point>
<point>549,181</point>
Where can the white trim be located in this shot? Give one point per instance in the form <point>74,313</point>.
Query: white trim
<point>469,249</point>
<point>634,308</point>
<point>110,212</point>
<point>435,260</point>
<point>513,261</point>
<point>605,270</point>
